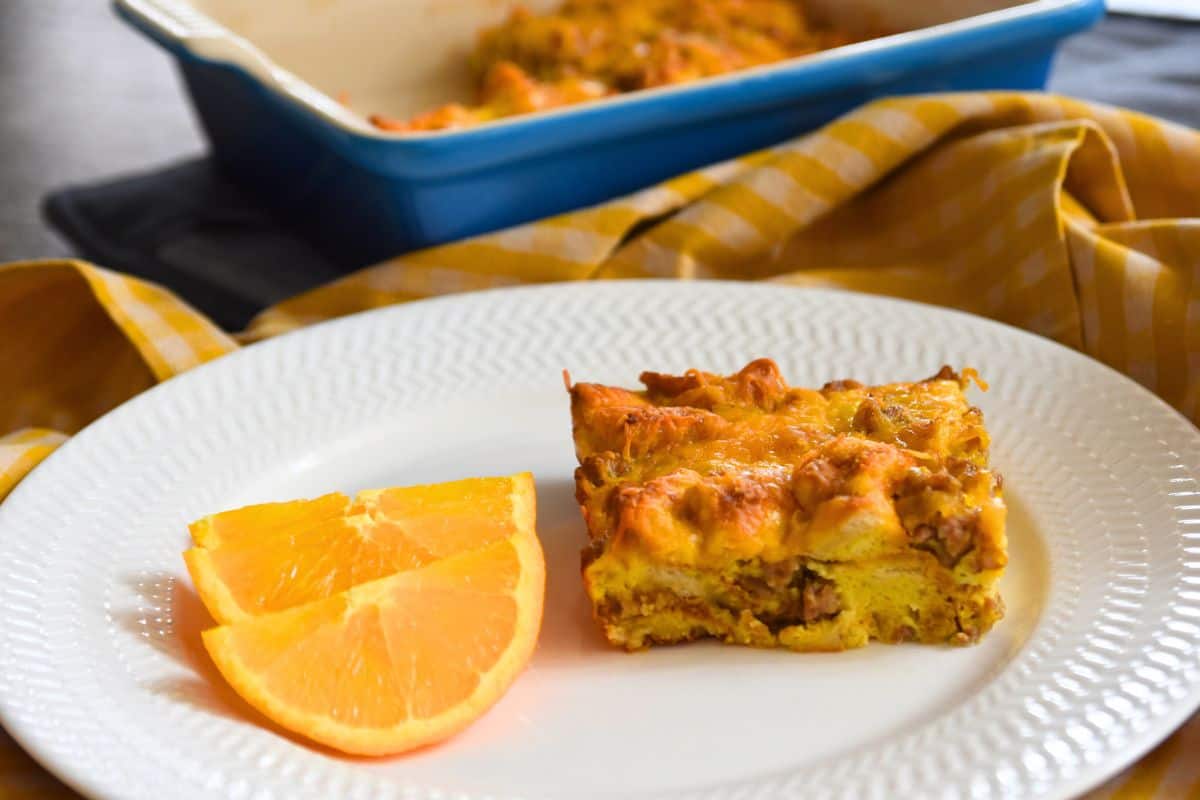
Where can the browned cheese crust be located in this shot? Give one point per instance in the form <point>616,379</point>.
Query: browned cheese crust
<point>744,509</point>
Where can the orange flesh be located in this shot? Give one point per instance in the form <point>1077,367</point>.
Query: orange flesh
<point>395,624</point>
<point>272,557</point>
<point>407,647</point>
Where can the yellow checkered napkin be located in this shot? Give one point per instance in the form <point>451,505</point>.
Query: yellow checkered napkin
<point>1076,221</point>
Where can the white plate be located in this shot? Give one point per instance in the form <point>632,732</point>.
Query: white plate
<point>101,677</point>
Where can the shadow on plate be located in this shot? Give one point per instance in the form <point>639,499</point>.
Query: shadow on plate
<point>568,631</point>
<point>170,619</point>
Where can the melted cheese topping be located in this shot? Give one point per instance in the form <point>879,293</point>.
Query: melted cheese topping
<point>700,469</point>
<point>593,48</point>
<point>849,512</point>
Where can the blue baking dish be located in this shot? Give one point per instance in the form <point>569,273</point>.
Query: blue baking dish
<point>264,92</point>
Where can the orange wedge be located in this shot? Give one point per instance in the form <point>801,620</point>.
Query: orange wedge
<point>385,644</point>
<point>272,557</point>
<point>395,663</point>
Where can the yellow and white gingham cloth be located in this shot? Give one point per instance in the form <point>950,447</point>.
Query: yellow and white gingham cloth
<point>1076,221</point>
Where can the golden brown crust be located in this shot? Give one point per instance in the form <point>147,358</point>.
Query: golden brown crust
<point>700,473</point>
<point>587,49</point>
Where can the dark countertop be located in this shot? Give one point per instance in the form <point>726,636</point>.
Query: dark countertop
<point>86,98</point>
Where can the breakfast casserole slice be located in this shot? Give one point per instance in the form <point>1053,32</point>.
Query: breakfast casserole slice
<point>757,513</point>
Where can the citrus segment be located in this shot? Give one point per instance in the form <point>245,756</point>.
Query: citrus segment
<point>313,549</point>
<point>257,522</point>
<point>447,518</point>
<point>398,662</point>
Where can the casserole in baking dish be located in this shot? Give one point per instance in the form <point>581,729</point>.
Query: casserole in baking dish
<point>264,78</point>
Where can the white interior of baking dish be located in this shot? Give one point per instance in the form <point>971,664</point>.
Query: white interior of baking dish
<point>398,57</point>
